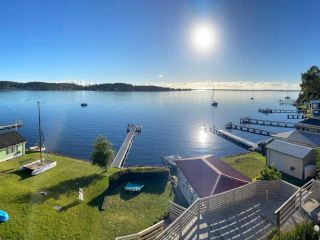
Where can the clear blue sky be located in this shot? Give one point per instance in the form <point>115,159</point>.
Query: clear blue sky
<point>135,41</point>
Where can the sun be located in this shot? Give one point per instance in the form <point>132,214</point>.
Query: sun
<point>203,37</point>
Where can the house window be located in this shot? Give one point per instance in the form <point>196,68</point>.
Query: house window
<point>13,149</point>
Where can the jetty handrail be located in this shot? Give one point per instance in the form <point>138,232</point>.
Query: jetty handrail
<point>292,203</point>
<point>146,234</point>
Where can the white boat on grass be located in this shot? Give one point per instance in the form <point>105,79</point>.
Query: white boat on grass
<point>39,166</point>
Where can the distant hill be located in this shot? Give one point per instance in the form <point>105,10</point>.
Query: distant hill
<point>45,86</point>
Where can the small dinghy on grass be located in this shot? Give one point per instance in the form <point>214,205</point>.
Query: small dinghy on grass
<point>133,187</point>
<point>4,217</point>
<point>39,166</point>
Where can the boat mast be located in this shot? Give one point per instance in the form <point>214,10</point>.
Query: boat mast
<point>39,123</point>
<point>212,98</point>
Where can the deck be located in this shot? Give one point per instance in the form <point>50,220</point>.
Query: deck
<point>234,138</point>
<point>11,126</point>
<point>248,120</point>
<point>249,129</point>
<point>119,159</point>
<point>247,212</point>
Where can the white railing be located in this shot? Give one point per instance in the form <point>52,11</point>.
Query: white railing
<point>294,202</point>
<point>175,210</point>
<point>147,234</point>
<point>186,225</point>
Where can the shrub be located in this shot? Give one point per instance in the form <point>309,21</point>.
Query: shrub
<point>268,174</point>
<point>303,231</point>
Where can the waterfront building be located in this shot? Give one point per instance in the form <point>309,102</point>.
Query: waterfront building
<point>292,159</point>
<point>205,176</point>
<point>12,145</point>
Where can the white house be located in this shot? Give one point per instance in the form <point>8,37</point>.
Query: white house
<point>293,159</point>
<point>12,145</point>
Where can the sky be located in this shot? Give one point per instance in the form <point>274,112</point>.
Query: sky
<point>258,44</point>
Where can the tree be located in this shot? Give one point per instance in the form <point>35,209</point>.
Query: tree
<point>268,174</point>
<point>310,86</point>
<point>103,152</point>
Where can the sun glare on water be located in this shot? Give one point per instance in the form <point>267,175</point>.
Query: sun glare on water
<point>203,37</point>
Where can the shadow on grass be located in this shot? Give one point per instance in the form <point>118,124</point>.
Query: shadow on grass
<point>22,174</point>
<point>65,187</point>
<point>70,205</point>
<point>6,171</point>
<point>151,186</point>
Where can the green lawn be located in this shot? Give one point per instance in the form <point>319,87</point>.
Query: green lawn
<point>250,164</point>
<point>32,216</point>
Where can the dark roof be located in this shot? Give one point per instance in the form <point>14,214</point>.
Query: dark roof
<point>300,137</point>
<point>311,121</point>
<point>8,139</point>
<point>209,175</point>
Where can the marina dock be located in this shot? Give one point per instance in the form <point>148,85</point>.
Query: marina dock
<point>235,139</point>
<point>248,120</point>
<point>268,110</point>
<point>11,126</point>
<point>122,154</point>
<point>295,116</point>
<point>230,125</point>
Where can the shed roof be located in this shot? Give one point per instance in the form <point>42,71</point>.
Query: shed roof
<point>8,139</point>
<point>290,149</point>
<point>311,121</point>
<point>300,137</point>
<point>208,175</point>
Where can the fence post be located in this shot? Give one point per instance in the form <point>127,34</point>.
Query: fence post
<point>198,218</point>
<point>278,219</point>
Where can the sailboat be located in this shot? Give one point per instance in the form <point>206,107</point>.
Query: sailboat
<point>42,164</point>
<point>213,102</point>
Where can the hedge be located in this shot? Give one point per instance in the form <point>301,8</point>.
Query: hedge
<point>132,174</point>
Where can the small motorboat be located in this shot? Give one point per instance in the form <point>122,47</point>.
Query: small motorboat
<point>287,97</point>
<point>36,148</point>
<point>84,104</point>
<point>4,217</point>
<point>252,98</point>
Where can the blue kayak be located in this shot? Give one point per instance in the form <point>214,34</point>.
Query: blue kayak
<point>132,187</point>
<point>4,216</point>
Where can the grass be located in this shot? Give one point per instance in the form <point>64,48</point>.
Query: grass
<point>32,215</point>
<point>250,164</point>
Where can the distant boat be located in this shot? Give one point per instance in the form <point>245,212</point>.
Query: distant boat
<point>252,98</point>
<point>213,102</point>
<point>36,148</point>
<point>287,97</point>
<point>84,104</point>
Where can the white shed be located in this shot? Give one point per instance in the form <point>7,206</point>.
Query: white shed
<point>290,158</point>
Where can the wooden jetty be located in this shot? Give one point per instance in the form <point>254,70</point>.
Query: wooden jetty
<point>248,120</point>
<point>235,139</point>
<point>11,126</point>
<point>269,110</point>
<point>295,116</point>
<point>230,125</point>
<point>126,145</point>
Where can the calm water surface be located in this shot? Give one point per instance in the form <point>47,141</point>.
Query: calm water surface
<point>172,121</point>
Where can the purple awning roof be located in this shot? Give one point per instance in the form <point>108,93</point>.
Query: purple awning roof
<point>209,175</point>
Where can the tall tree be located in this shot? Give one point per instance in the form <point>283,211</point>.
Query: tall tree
<point>310,86</point>
<point>103,152</point>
